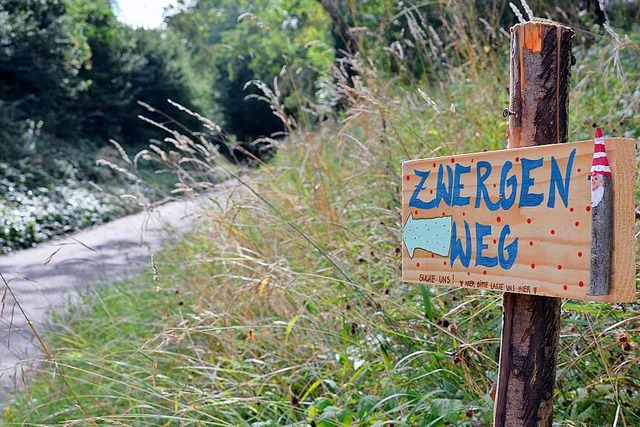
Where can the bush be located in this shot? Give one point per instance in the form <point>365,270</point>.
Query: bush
<point>43,199</point>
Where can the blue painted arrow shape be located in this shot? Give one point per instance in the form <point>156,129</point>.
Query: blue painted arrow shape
<point>430,234</point>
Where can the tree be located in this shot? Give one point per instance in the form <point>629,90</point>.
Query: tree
<point>131,65</point>
<point>42,50</point>
<point>253,40</point>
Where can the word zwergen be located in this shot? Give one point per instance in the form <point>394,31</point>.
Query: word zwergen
<point>517,189</point>
<point>449,188</point>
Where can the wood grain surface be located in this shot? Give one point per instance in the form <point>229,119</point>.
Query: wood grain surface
<point>520,202</point>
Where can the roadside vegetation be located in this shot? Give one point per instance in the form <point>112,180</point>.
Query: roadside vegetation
<point>70,80</point>
<point>286,307</point>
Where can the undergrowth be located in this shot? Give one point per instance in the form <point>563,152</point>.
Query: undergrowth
<point>43,198</point>
<point>56,192</point>
<point>287,306</point>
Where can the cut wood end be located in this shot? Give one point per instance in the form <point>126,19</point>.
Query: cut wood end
<point>542,24</point>
<point>532,33</point>
<point>533,37</point>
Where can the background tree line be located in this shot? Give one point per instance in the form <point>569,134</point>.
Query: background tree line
<point>71,74</point>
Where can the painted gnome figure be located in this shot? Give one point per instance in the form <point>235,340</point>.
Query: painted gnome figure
<point>601,219</point>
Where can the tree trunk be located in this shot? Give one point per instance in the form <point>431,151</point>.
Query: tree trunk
<point>339,12</point>
<point>345,45</point>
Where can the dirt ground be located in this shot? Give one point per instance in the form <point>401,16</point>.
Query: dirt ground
<point>44,278</point>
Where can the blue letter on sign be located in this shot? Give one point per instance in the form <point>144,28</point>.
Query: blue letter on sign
<point>415,200</point>
<point>512,181</point>
<point>511,249</point>
<point>556,181</point>
<point>456,248</point>
<point>481,190</point>
<point>458,200</point>
<point>526,198</point>
<point>481,231</point>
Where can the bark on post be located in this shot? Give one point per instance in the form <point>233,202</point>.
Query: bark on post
<point>601,219</point>
<point>538,115</point>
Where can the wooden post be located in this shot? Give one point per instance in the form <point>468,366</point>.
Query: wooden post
<point>601,220</point>
<point>538,115</point>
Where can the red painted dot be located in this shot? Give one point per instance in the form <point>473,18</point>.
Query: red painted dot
<point>445,263</point>
<point>517,159</point>
<point>453,160</point>
<point>577,223</point>
<point>464,214</point>
<point>433,256</point>
<point>553,231</point>
<point>495,241</point>
<point>565,287</point>
<point>588,208</point>
<point>579,254</point>
<point>408,178</point>
<point>579,170</point>
<point>416,212</point>
<point>495,185</point>
<point>434,164</point>
<point>468,273</point>
<point>471,160</point>
<point>498,219</point>
<point>581,283</point>
<point>533,265</point>
<point>528,220</point>
<point>443,213</point>
<point>559,267</point>
<point>530,243</point>
<point>570,209</point>
<point>417,264</point>
<point>484,272</point>
<point>430,191</point>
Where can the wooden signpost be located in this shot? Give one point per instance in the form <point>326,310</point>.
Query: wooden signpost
<point>540,223</point>
<point>518,221</point>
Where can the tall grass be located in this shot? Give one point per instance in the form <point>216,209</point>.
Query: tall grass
<point>287,308</point>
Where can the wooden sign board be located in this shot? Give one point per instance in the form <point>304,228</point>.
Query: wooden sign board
<point>517,220</point>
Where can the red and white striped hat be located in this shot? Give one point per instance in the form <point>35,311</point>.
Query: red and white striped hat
<point>600,165</point>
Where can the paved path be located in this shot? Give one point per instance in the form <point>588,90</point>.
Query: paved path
<point>41,278</point>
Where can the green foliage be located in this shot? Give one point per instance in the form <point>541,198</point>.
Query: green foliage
<point>73,69</point>
<point>34,211</point>
<point>71,77</point>
<point>131,66</point>
<point>295,313</point>
<point>40,57</point>
<point>257,40</point>
<point>287,308</point>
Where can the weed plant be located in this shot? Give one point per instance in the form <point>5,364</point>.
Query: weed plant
<point>287,307</point>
